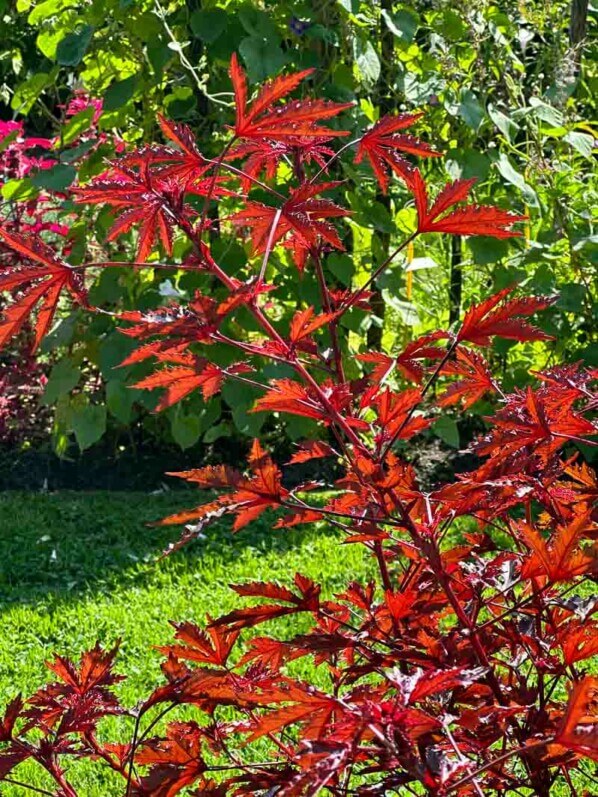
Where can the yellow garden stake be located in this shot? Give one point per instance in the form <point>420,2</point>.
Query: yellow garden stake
<point>409,285</point>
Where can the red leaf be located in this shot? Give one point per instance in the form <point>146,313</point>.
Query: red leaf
<point>190,164</point>
<point>7,723</point>
<point>419,349</point>
<point>286,395</point>
<point>80,698</point>
<point>471,220</point>
<point>312,709</point>
<point>95,670</point>
<point>46,293</point>
<point>578,641</point>
<point>425,683</point>
<point>301,220</point>
<point>562,558</point>
<point>212,476</point>
<point>476,380</point>
<point>12,757</point>
<point>381,145</point>
<point>207,647</point>
<point>250,498</point>
<point>175,762</point>
<point>148,200</point>
<point>184,379</point>
<point>503,318</point>
<point>296,118</point>
<point>396,411</point>
<point>533,419</point>
<point>406,362</point>
<point>304,323</point>
<point>270,653</point>
<point>263,156</point>
<point>308,600</point>
<point>579,730</point>
<point>312,449</point>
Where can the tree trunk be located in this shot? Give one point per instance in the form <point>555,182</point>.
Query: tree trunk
<point>456,279</point>
<point>578,22</point>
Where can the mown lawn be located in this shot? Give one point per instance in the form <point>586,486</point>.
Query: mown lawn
<point>77,567</point>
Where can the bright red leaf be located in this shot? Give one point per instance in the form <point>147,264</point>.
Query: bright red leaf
<point>470,220</point>
<point>503,317</point>
<point>382,144</point>
<point>55,275</point>
<point>264,119</point>
<point>302,221</point>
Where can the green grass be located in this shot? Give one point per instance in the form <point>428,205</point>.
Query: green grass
<point>77,567</point>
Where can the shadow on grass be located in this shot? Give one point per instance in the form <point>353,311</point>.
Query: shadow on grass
<point>67,543</point>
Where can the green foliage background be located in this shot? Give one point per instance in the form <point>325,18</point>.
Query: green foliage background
<point>507,92</point>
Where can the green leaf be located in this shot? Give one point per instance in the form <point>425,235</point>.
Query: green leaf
<point>107,289</point>
<point>341,266</point>
<point>487,250</point>
<point>571,297</point>
<point>120,399</point>
<point>8,139</point>
<point>216,432</point>
<point>180,103</point>
<point>454,25</point>
<point>78,124</point>
<point>27,93</point>
<point>47,41</point>
<point>60,335</point>
<point>419,263</point>
<point>120,93</point>
<point>299,428</point>
<point>208,25</point>
<point>379,217</point>
<point>210,413</point>
<point>511,175</point>
<point>470,109</point>
<point>186,429</point>
<point>263,57</point>
<point>447,430</point>
<point>582,142</point>
<point>248,423</point>
<point>367,61</point>
<point>58,178</point>
<point>406,310</point>
<point>158,55</point>
<point>72,48</point>
<point>258,23</point>
<point>546,112</point>
<point>504,123</point>
<point>467,163</point>
<point>18,189</point>
<point>403,24</point>
<point>114,348</point>
<point>63,378</point>
<point>73,154</point>
<point>44,10</point>
<point>89,424</point>
<point>239,395</point>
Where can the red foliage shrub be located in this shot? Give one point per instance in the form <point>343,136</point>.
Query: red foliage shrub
<point>460,669</point>
<point>22,381</point>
